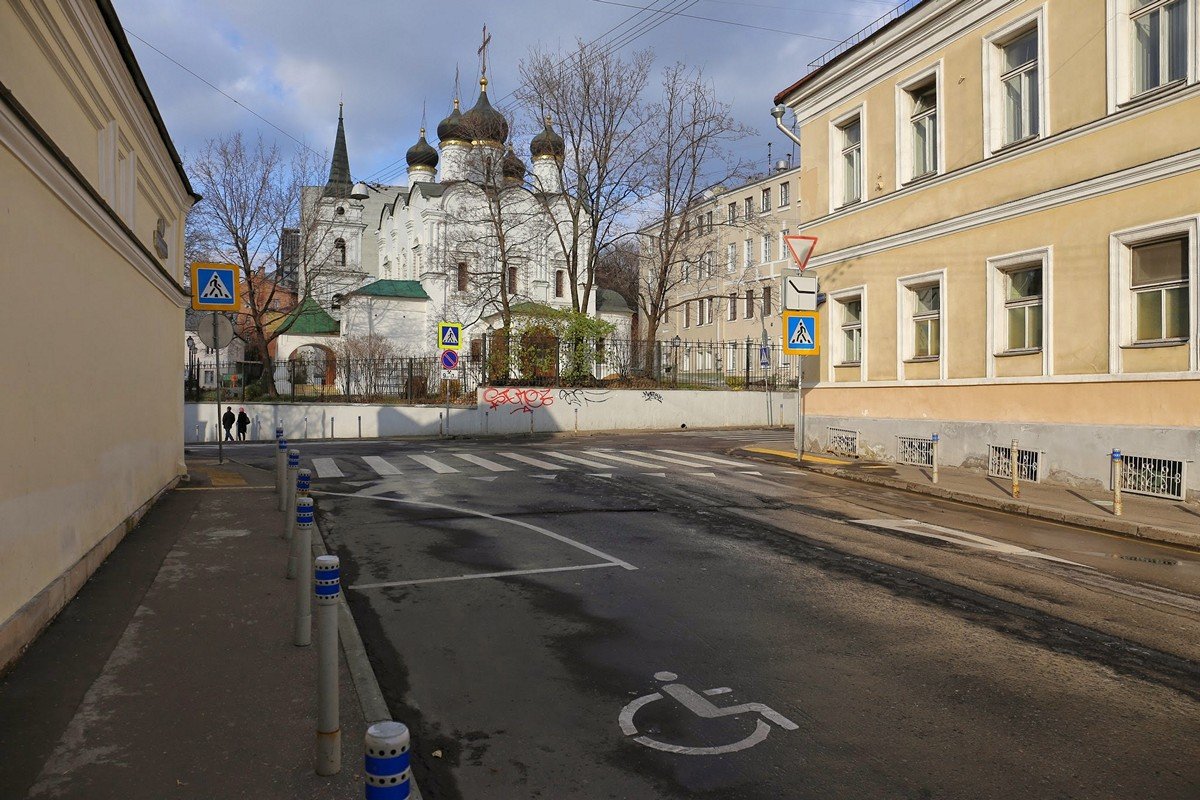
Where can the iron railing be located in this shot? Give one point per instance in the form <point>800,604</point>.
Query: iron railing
<point>1029,463</point>
<point>863,34</point>
<point>1157,477</point>
<point>843,441</point>
<point>914,450</point>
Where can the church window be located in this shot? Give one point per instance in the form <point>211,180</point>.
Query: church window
<point>463,277</point>
<point>339,252</point>
<point>512,280</point>
<point>559,283</point>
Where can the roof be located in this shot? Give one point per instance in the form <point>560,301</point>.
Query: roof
<point>611,302</point>
<point>309,318</point>
<point>339,184</point>
<point>385,288</point>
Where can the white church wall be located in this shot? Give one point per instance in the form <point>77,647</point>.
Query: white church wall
<point>400,321</point>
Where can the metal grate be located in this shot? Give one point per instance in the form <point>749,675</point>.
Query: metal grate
<point>1157,477</point>
<point>1029,463</point>
<point>843,441</point>
<point>914,450</point>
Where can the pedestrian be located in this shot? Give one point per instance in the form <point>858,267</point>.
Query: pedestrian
<point>227,420</point>
<point>243,422</point>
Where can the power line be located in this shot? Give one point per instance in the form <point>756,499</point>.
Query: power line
<point>730,22</point>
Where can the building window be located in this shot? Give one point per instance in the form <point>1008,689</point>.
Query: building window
<point>708,221</point>
<point>783,248</point>
<point>1159,280</point>
<point>1160,42</point>
<point>1014,81</point>
<point>785,194</point>
<point>923,131</point>
<point>749,207</point>
<point>731,215</point>
<point>685,271</point>
<point>851,330</point>
<point>463,277</point>
<point>732,307</point>
<point>706,264</point>
<point>766,301</point>
<point>1019,87</point>
<point>708,310</point>
<point>926,303</point>
<point>748,253</point>
<point>849,171</point>
<point>512,280</point>
<point>1023,309</point>
<point>699,224</point>
<point>687,314</point>
<point>765,201</point>
<point>339,252</point>
<point>766,247</point>
<point>560,283</point>
<point>731,257</point>
<point>749,313</point>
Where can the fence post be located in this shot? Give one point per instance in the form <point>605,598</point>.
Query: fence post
<point>327,590</point>
<point>1016,473</point>
<point>386,761</point>
<point>1118,479</point>
<point>302,552</point>
<point>934,448</point>
<point>287,498</point>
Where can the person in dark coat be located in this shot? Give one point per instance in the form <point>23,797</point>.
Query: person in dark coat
<point>227,420</point>
<point>243,422</point>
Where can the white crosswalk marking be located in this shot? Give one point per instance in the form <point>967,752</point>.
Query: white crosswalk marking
<point>721,461</point>
<point>483,462</point>
<point>380,466</point>
<point>635,462</point>
<point>433,464</point>
<point>327,468</point>
<point>533,462</point>
<point>577,460</point>
<point>667,458</point>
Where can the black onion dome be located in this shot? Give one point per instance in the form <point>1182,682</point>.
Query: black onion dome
<point>451,128</point>
<point>422,154</point>
<point>484,123</point>
<point>547,143</point>
<point>512,166</point>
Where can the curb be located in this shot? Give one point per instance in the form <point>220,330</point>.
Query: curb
<point>1136,530</point>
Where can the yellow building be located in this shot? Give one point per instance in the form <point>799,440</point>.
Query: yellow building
<point>1006,195</point>
<point>91,221</point>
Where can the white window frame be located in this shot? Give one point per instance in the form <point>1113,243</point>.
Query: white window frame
<point>732,312</point>
<point>731,257</point>
<point>766,249</point>
<point>837,342</point>
<point>748,253</point>
<point>749,299</point>
<point>993,66</point>
<point>1120,55</point>
<point>749,204</point>
<point>904,131</point>
<point>783,248</point>
<point>837,189</point>
<point>764,201</point>
<point>1122,310</point>
<point>998,269</point>
<point>785,194</point>
<point>906,305</point>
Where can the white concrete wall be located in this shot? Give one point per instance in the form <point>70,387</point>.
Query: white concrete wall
<point>508,410</point>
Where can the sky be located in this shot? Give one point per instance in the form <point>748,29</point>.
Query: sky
<point>280,67</point>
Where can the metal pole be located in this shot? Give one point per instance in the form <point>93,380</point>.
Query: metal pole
<point>1118,479</point>
<point>217,355</point>
<point>1012,461</point>
<point>447,385</point>
<point>800,411</point>
<point>281,449</point>
<point>302,549</point>
<point>386,761</point>
<point>287,499</point>
<point>327,590</point>
<point>935,458</point>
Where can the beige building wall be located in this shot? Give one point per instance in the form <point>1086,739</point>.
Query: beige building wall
<point>93,405</point>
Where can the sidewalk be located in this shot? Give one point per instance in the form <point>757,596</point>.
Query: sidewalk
<point>1144,517</point>
<point>173,673</point>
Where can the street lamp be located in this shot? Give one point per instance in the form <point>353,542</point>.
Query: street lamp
<point>191,345</point>
<point>675,366</point>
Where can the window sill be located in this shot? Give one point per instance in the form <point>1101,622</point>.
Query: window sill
<point>1017,145</point>
<point>922,359</point>
<point>1150,95</point>
<point>849,364</point>
<point>1157,343</point>
<point>850,204</point>
<point>919,179</point>
<point>1028,351</point>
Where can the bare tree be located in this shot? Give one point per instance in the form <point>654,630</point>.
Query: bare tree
<point>594,98</point>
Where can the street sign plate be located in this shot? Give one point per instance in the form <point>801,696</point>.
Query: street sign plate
<point>799,293</point>
<point>450,335</point>
<point>802,333</point>
<point>449,359</point>
<point>801,248</point>
<point>215,330</point>
<point>215,287</point>
<point>764,356</point>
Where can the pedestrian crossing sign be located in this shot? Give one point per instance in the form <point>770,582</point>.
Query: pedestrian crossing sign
<point>803,333</point>
<point>215,287</point>
<point>450,335</point>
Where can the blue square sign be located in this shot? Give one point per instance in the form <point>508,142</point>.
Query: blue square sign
<point>215,287</point>
<point>802,333</point>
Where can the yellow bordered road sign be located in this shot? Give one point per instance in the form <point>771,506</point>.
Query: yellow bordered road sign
<point>215,287</point>
<point>802,333</point>
<point>450,335</point>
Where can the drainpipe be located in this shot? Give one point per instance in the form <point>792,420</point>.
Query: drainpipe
<point>777,112</point>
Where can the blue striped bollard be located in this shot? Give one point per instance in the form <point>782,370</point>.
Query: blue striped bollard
<point>327,588</point>
<point>303,485</point>
<point>287,498</point>
<point>934,455</point>
<point>1118,473</point>
<point>387,761</point>
<point>302,552</point>
<point>281,448</point>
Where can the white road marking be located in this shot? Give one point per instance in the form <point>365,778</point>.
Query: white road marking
<point>623,459</point>
<point>577,460</point>
<point>655,474</point>
<point>666,458</point>
<point>533,462</point>
<point>748,472</point>
<point>930,531</point>
<point>380,466</point>
<point>511,573</point>
<point>483,462</point>
<point>704,474</point>
<point>545,477</point>
<point>433,464</point>
<point>600,474</point>
<point>483,477</point>
<point>327,468</point>
<point>721,461</point>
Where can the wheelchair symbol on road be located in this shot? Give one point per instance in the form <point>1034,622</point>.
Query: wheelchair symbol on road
<point>698,704</point>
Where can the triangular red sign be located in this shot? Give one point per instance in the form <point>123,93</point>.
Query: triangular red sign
<point>802,248</point>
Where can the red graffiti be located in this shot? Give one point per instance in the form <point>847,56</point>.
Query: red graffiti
<point>523,400</point>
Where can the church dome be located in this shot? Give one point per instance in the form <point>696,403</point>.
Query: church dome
<point>451,128</point>
<point>484,123</point>
<point>422,154</point>
<point>512,166</point>
<point>547,144</point>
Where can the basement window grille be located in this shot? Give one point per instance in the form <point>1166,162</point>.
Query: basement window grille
<point>1157,477</point>
<point>843,441</point>
<point>1029,463</point>
<point>914,450</point>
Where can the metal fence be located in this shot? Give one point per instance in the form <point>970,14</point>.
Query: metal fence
<point>843,441</point>
<point>1029,463</point>
<point>1157,477</point>
<point>914,450</point>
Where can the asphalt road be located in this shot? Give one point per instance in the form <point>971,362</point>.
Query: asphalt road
<point>519,597</point>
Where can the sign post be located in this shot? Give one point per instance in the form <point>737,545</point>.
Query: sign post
<point>215,288</point>
<point>450,341</point>
<point>800,295</point>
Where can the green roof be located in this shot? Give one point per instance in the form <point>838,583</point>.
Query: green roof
<point>411,289</point>
<point>309,318</point>
<point>612,302</point>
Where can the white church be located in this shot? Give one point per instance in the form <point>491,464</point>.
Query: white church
<point>470,238</point>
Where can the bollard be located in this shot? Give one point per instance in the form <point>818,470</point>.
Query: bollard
<point>441,429</point>
<point>302,485</point>
<point>935,458</point>
<point>327,590</point>
<point>360,426</point>
<point>280,465</point>
<point>577,422</point>
<point>302,552</point>
<point>386,761</point>
<point>1016,473</point>
<point>1118,479</point>
<point>485,423</point>
<point>531,423</point>
<point>197,438</point>
<point>332,432</point>
<point>287,500</point>
<point>306,426</point>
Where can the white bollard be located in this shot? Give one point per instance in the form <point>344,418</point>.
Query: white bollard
<point>280,463</point>
<point>302,547</point>
<point>327,590</point>
<point>287,500</point>
<point>1118,479</point>
<point>935,458</point>
<point>303,484</point>
<point>1016,473</point>
<point>386,762</point>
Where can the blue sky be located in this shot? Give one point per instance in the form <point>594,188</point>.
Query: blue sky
<point>291,62</point>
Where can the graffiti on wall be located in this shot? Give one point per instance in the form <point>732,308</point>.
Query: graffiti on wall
<point>521,399</point>
<point>651,397</point>
<point>580,397</point>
